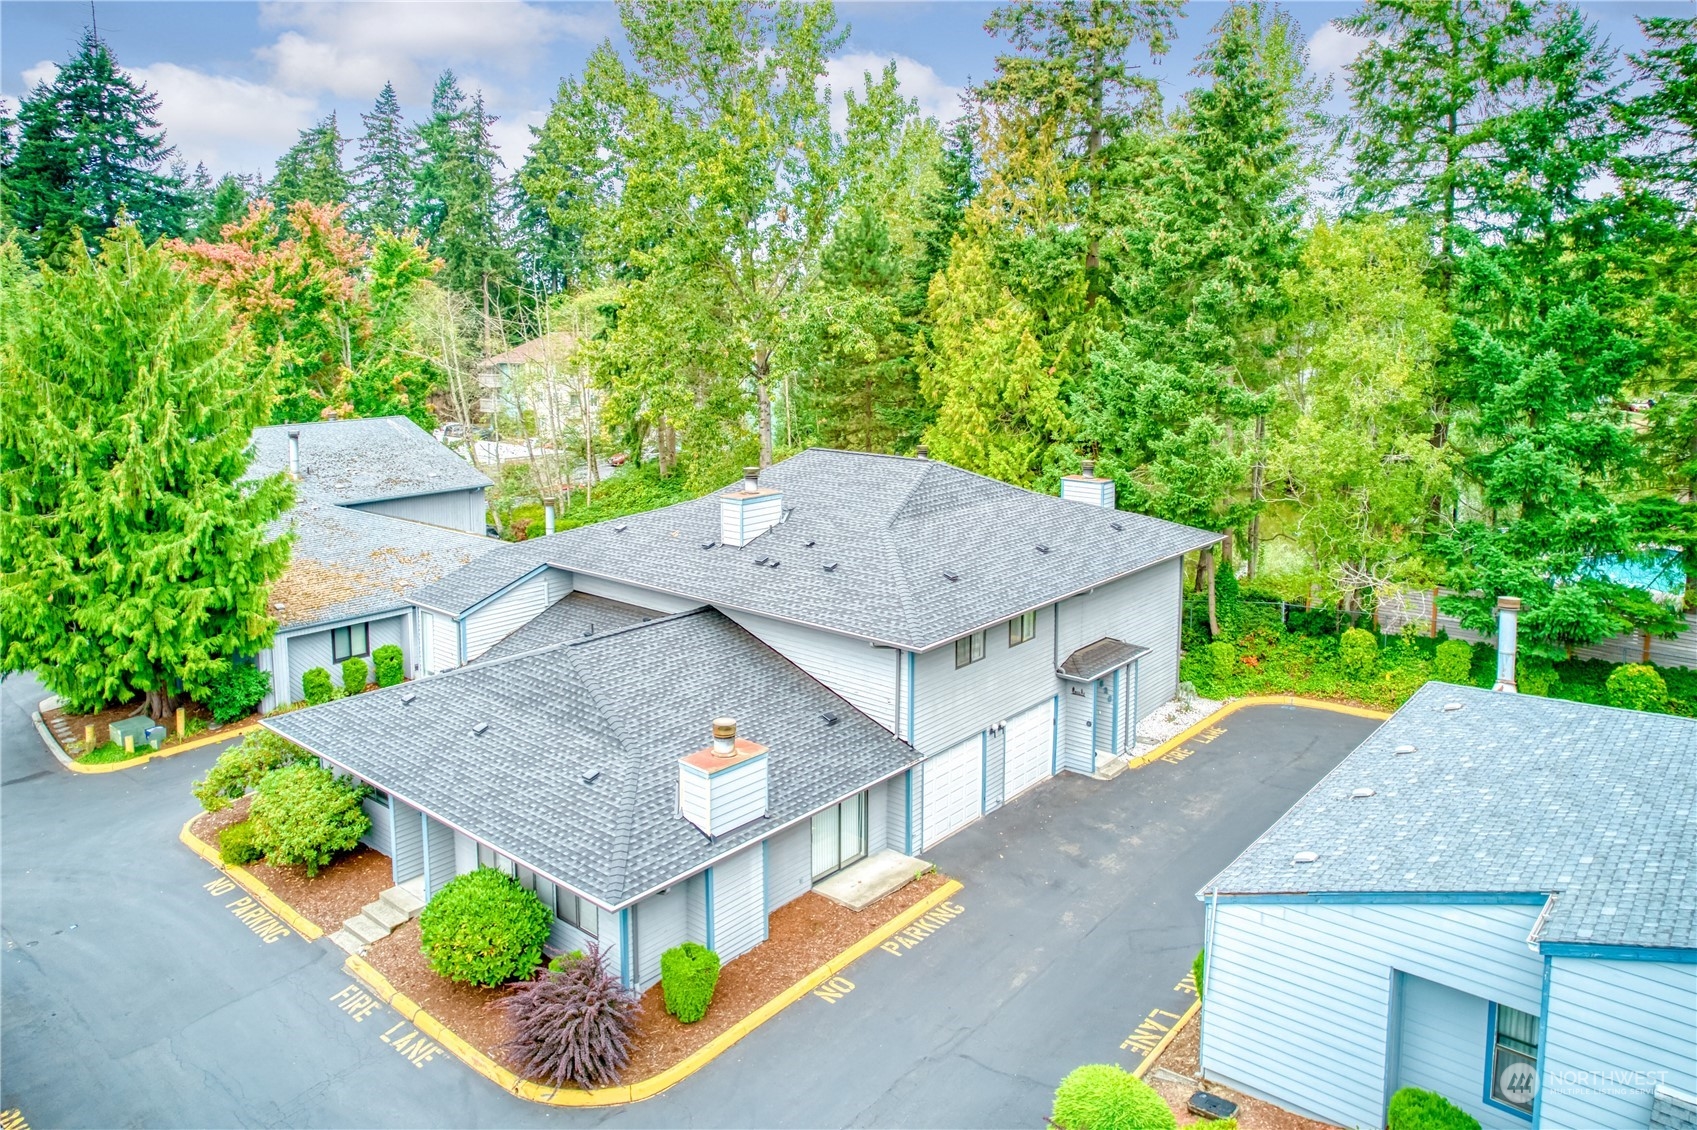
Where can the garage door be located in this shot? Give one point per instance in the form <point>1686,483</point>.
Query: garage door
<point>954,789</point>
<point>1031,745</point>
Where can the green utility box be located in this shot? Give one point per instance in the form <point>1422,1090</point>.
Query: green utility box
<point>141,729</point>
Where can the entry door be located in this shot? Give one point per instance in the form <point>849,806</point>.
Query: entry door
<point>1103,724</point>
<point>839,836</point>
<point>954,789</point>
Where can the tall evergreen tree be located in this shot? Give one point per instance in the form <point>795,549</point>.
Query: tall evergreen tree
<point>135,557</point>
<point>383,178</point>
<point>1664,113</point>
<point>228,205</point>
<point>311,171</point>
<point>90,149</point>
<point>456,202</point>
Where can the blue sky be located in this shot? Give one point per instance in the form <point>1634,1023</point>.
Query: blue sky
<point>239,80</point>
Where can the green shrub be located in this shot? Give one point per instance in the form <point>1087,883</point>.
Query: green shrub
<point>1637,686</point>
<point>1196,966</point>
<point>484,929</point>
<point>1534,675</point>
<point>562,962</point>
<point>236,691</point>
<point>1454,662</point>
<point>236,844</point>
<point>1414,1109</point>
<point>306,814</point>
<point>355,674</point>
<point>1101,1096</point>
<point>1358,652</point>
<point>572,1025</point>
<point>317,687</point>
<point>391,665</point>
<point>243,766</point>
<point>688,975</point>
<point>1221,661</point>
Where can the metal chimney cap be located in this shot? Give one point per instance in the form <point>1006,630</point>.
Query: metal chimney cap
<point>294,433</point>
<point>1508,603</point>
<point>1088,468</point>
<point>922,452</point>
<point>725,729</point>
<point>548,500</point>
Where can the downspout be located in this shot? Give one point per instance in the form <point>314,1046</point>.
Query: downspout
<point>1207,976</point>
<point>708,874</point>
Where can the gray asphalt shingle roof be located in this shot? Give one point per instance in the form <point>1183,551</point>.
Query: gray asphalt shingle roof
<point>896,529</point>
<point>572,617</point>
<point>366,460</point>
<point>611,705</point>
<point>1094,660</point>
<point>1509,793</point>
<point>348,563</point>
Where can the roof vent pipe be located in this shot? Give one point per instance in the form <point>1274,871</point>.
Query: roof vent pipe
<point>751,478</point>
<point>922,452</point>
<point>294,453</point>
<point>724,736</point>
<point>1088,468</point>
<point>548,515</point>
<point>1508,632</point>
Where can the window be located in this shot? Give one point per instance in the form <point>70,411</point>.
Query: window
<point>1514,1058</point>
<point>969,649</point>
<point>575,911</point>
<point>345,643</point>
<point>839,836</point>
<point>1022,628</point>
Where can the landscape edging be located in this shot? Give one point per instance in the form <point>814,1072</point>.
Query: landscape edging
<point>76,766</point>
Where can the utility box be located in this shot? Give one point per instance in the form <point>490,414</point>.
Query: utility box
<point>155,736</point>
<point>136,728</point>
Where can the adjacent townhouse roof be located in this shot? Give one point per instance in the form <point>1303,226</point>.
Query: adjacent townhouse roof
<point>368,460</point>
<point>1505,793</point>
<point>910,553</point>
<point>556,347</point>
<point>572,617</point>
<point>576,774</point>
<point>349,563</point>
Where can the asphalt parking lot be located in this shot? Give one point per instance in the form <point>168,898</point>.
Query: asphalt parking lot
<point>133,996</point>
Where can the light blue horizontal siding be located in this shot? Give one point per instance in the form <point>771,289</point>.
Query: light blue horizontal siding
<point>1615,1030</point>
<point>1298,1002</point>
<point>377,837</point>
<point>1442,1047</point>
<point>307,650</point>
<point>505,615</point>
<point>790,864</point>
<point>441,642</point>
<point>739,910</point>
<point>662,603</point>
<point>464,510</point>
<point>953,703</point>
<point>1141,609</point>
<point>659,922</point>
<point>864,675</point>
<point>878,818</point>
<point>408,829</point>
<point>440,860</point>
<point>895,812</point>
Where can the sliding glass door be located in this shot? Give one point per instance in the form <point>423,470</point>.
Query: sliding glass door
<point>839,836</point>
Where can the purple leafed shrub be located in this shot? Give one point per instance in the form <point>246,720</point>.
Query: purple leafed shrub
<point>572,1024</point>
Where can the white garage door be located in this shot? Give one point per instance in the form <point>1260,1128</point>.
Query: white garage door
<point>1030,749</point>
<point>954,789</point>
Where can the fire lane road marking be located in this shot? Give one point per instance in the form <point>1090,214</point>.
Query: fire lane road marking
<point>1153,1028</point>
<point>410,1044</point>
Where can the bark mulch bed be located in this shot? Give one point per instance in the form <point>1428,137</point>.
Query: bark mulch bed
<point>75,724</point>
<point>1182,1057</point>
<point>804,935</point>
<point>329,899</point>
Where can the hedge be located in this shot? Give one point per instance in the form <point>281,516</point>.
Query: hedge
<point>355,675</point>
<point>306,814</point>
<point>236,690</point>
<point>1358,652</point>
<point>236,844</point>
<point>688,975</point>
<point>242,767</point>
<point>390,664</point>
<point>1637,686</point>
<point>1453,662</point>
<point>1103,1096</point>
<point>484,929</point>
<point>316,687</point>
<point>1414,1109</point>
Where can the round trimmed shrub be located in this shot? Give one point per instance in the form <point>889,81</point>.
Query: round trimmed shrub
<point>1414,1109</point>
<point>305,814</point>
<point>1637,686</point>
<point>355,674</point>
<point>483,929</point>
<point>1537,676</point>
<point>688,975</point>
<point>1358,652</point>
<point>390,664</point>
<point>1222,661</point>
<point>1453,662</point>
<point>572,1025</point>
<point>316,687</point>
<point>1102,1096</point>
<point>242,767</point>
<point>236,844</point>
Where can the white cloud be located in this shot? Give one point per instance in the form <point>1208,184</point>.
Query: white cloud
<point>937,99</point>
<point>43,71</point>
<point>350,49</point>
<point>229,123</point>
<point>512,136</point>
<point>1331,49</point>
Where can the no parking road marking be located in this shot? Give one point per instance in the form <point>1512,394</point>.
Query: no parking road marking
<point>923,927</point>
<point>267,926</point>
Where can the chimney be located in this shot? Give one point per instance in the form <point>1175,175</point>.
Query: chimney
<point>723,786</point>
<point>294,453</point>
<point>330,416</point>
<point>750,510</point>
<point>922,452</point>
<point>1086,487</point>
<point>548,515</point>
<point>1508,631</point>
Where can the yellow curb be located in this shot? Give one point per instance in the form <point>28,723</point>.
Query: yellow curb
<point>1237,704</point>
<point>76,766</point>
<point>308,930</point>
<point>1172,1034</point>
<point>677,1073</point>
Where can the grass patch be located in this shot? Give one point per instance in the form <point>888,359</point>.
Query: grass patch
<point>112,752</point>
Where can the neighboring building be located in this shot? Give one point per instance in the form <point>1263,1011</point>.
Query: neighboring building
<point>541,378</point>
<point>914,643</point>
<point>1495,898</point>
<point>380,508</point>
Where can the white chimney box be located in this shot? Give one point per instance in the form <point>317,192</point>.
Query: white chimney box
<point>724,786</point>
<point>1508,636</point>
<point>749,511</point>
<point>1086,487</point>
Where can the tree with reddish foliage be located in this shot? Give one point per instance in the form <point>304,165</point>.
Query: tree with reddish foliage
<point>572,1025</point>
<point>325,309</point>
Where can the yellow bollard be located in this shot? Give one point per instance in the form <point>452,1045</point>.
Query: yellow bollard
<point>182,722</point>
<point>129,745</point>
<point>88,737</point>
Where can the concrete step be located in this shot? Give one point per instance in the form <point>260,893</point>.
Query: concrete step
<point>348,942</point>
<point>864,883</point>
<point>365,929</point>
<point>385,914</point>
<point>402,900</point>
